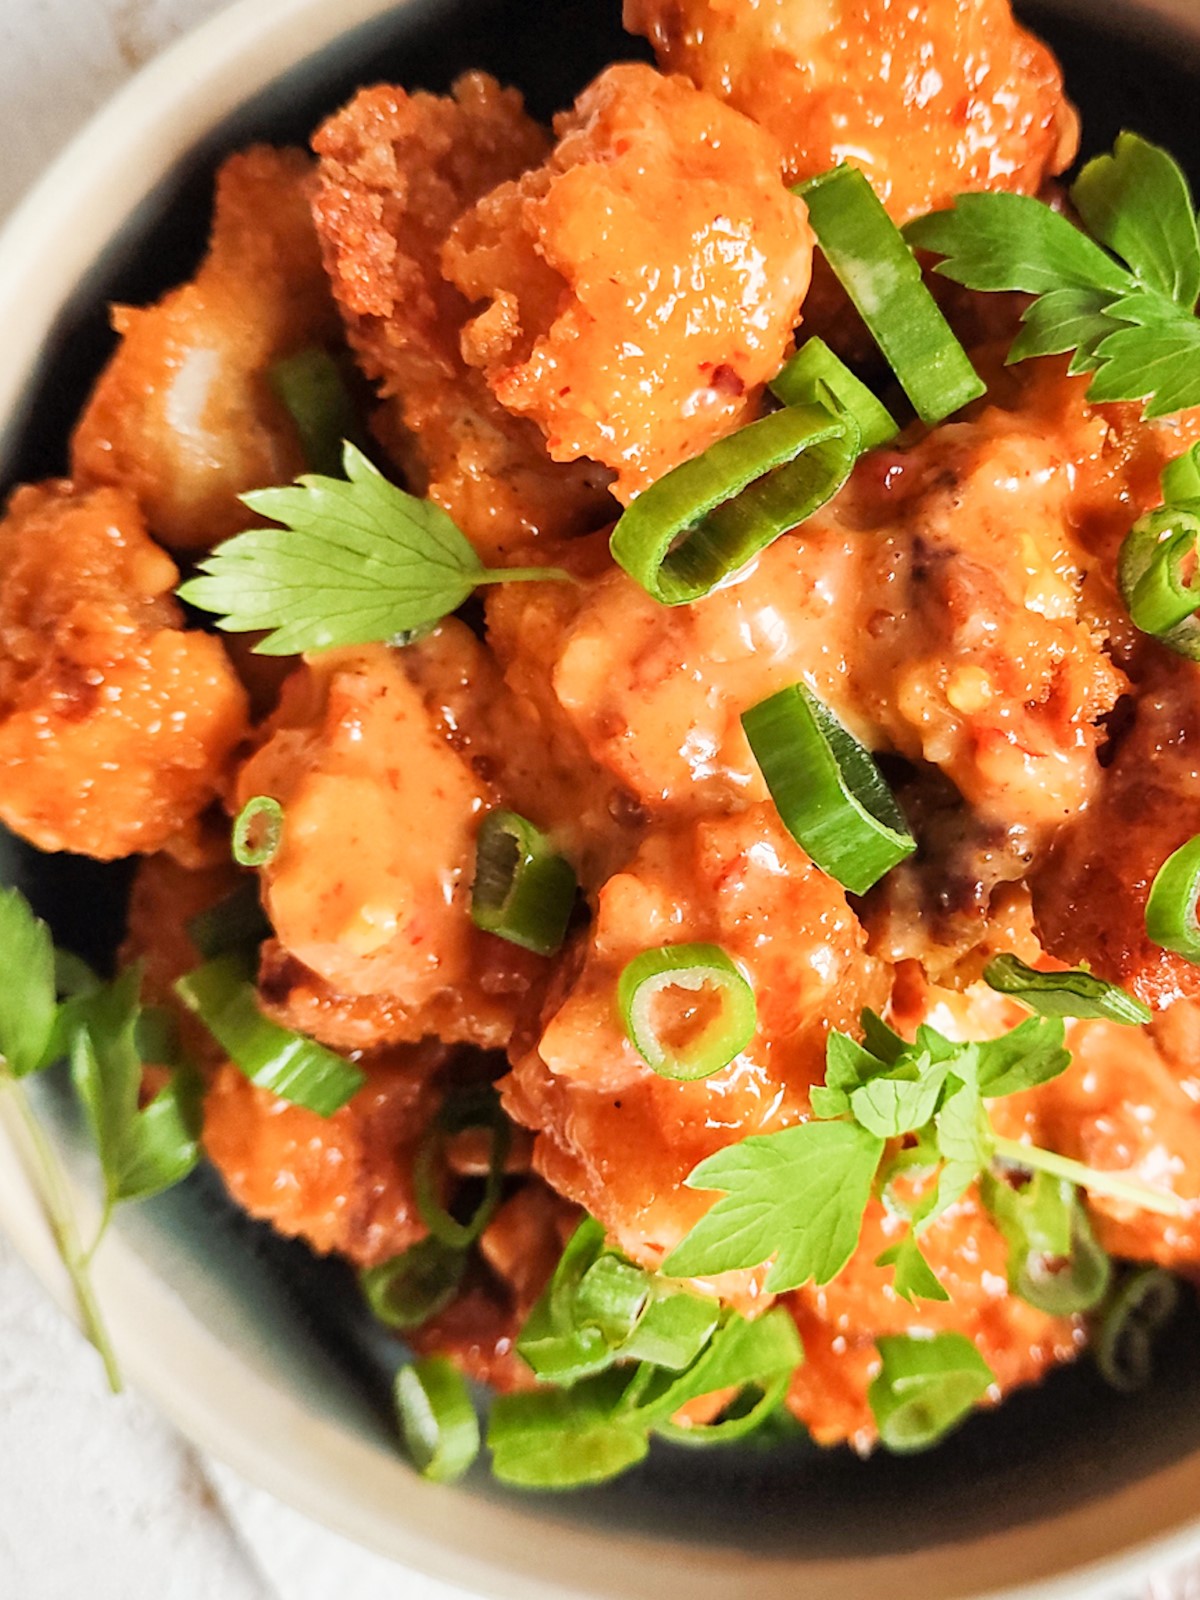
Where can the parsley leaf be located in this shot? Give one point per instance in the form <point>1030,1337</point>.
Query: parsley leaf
<point>798,1195</point>
<point>1023,1058</point>
<point>27,995</point>
<point>354,561</point>
<point>1130,321</point>
<point>914,1278</point>
<point>142,1150</point>
<point>1136,201</point>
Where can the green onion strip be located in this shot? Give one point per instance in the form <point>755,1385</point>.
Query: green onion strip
<point>814,372</point>
<point>258,831</point>
<point>438,1422</point>
<point>1171,920</point>
<point>1157,573</point>
<point>523,891</point>
<point>827,789</point>
<point>882,277</point>
<point>311,387</point>
<point>693,968</point>
<point>709,517</point>
<point>295,1068</point>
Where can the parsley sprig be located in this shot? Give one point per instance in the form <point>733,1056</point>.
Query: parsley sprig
<point>1122,300</point>
<point>797,1198</point>
<point>105,1031</point>
<point>353,561</point>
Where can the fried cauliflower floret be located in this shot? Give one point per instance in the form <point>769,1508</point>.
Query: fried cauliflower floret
<point>630,341</point>
<point>396,172</point>
<point>342,1183</point>
<point>184,417</point>
<point>936,605</point>
<point>929,100</point>
<point>1128,1104</point>
<point>117,726</point>
<point>840,1322</point>
<point>612,1135</point>
<point>370,891</point>
<point>1090,897</point>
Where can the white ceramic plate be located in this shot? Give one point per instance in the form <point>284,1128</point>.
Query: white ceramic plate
<point>204,1327</point>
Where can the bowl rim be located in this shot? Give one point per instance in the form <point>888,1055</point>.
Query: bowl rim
<point>238,1412</point>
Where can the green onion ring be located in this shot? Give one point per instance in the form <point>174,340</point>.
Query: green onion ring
<point>827,789</point>
<point>1171,921</point>
<point>455,1117</point>
<point>814,370</point>
<point>1078,1285</point>
<point>1181,477</point>
<point>1161,601</point>
<point>311,387</point>
<point>437,1419</point>
<point>709,517</point>
<point>1123,1345</point>
<point>881,275</point>
<point>408,1289</point>
<point>260,818</point>
<point>693,967</point>
<point>523,891</point>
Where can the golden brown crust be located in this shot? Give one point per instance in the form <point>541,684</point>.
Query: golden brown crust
<point>117,727</point>
<point>183,417</point>
<point>397,170</point>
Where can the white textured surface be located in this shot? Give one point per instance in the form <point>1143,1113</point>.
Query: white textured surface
<point>100,1499</point>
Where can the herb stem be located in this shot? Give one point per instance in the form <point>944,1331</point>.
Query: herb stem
<point>523,575</point>
<point>55,1197</point>
<point>1089,1178</point>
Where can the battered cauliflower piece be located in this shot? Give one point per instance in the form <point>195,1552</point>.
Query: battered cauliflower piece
<point>643,284</point>
<point>937,606</point>
<point>620,1140</point>
<point>117,726</point>
<point>369,893</point>
<point>1090,897</point>
<point>342,1183</point>
<point>930,100</point>
<point>397,171</point>
<point>840,1323</point>
<point>184,417</point>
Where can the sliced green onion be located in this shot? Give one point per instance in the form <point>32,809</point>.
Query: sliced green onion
<point>673,1329</point>
<point>827,789</point>
<point>474,1111</point>
<point>437,1419</point>
<point>415,1285</point>
<point>1157,574</point>
<point>1181,477</point>
<point>236,923</point>
<point>289,1065</point>
<point>258,831</point>
<point>565,1438</point>
<point>311,386</point>
<point>742,1417</point>
<point>814,370</point>
<point>709,517</point>
<point>1171,907</point>
<point>1054,1261</point>
<point>882,277</point>
<point>1063,994</point>
<point>523,891</point>
<point>925,1387</point>
<point>1124,1342</point>
<point>743,1354</point>
<point>700,969</point>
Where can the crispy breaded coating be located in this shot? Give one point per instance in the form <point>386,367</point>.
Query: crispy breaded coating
<point>184,417</point>
<point>642,285</point>
<point>1090,898</point>
<point>620,1140</point>
<point>397,170</point>
<point>343,1183</point>
<point>370,890</point>
<point>117,726</point>
<point>929,100</point>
